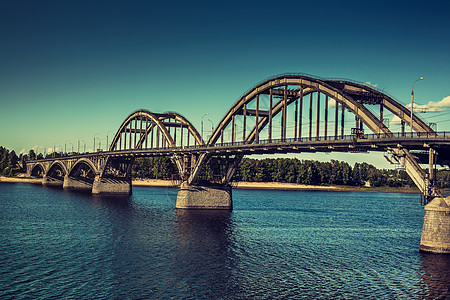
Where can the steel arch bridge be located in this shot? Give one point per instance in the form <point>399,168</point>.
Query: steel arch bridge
<point>289,113</point>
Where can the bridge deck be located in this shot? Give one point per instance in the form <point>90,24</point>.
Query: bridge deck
<point>347,143</point>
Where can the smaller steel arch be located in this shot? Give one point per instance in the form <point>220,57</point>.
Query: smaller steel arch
<point>158,120</point>
<point>162,121</point>
<point>182,121</point>
<point>148,115</point>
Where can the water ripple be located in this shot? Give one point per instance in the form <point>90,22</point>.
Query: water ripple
<point>273,245</point>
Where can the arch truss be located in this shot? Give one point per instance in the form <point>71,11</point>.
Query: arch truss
<point>146,130</point>
<point>298,108</point>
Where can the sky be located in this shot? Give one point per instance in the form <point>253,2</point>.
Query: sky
<point>74,70</point>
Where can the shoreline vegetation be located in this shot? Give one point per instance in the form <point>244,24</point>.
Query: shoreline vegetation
<point>268,173</point>
<point>251,185</point>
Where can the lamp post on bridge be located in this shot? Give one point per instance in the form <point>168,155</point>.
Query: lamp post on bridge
<point>81,139</point>
<point>65,146</point>
<point>412,102</point>
<point>202,125</point>
<point>107,141</point>
<point>93,150</point>
<point>212,126</point>
<point>58,147</point>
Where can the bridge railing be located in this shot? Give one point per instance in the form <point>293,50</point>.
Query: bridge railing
<point>396,135</point>
<point>355,137</point>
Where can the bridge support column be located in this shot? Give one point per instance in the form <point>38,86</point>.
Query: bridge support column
<point>74,184</point>
<point>436,226</point>
<point>53,182</point>
<point>111,185</point>
<point>212,196</point>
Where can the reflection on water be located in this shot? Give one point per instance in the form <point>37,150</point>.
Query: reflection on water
<point>202,253</point>
<point>274,244</point>
<point>436,275</point>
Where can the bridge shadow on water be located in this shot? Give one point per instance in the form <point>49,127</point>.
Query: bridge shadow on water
<point>204,251</point>
<point>435,273</point>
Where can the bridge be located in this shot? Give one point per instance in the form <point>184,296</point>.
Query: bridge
<point>290,113</point>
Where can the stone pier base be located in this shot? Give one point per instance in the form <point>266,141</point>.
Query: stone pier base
<point>436,226</point>
<point>204,197</point>
<point>111,186</point>
<point>53,182</point>
<point>73,184</point>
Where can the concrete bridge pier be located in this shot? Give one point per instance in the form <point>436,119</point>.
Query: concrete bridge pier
<point>52,181</point>
<point>206,196</point>
<point>111,185</point>
<point>436,226</point>
<point>71,183</point>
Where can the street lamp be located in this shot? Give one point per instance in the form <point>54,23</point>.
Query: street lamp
<point>202,125</point>
<point>60,148</point>
<point>212,126</point>
<point>93,150</point>
<point>84,142</point>
<point>78,142</point>
<point>107,142</point>
<point>412,102</point>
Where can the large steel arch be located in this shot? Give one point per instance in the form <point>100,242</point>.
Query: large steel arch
<point>307,86</point>
<point>348,95</point>
<point>353,96</point>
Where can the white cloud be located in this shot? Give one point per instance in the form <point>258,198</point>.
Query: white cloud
<point>331,103</point>
<point>35,148</point>
<point>432,106</point>
<point>370,84</point>
<point>395,120</point>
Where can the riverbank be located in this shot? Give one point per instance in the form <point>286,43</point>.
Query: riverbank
<point>20,180</point>
<point>253,185</point>
<point>289,186</point>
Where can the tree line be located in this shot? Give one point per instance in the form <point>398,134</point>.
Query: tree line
<point>8,162</point>
<point>291,170</point>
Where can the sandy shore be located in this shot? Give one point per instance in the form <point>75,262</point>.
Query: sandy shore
<point>243,185</point>
<point>20,179</point>
<point>152,182</point>
<point>249,185</point>
<point>281,186</point>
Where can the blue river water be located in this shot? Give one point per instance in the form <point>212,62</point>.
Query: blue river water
<point>273,245</point>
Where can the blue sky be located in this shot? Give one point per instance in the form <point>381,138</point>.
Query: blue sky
<point>70,71</point>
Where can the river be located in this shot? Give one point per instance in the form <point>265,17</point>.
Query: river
<point>273,245</point>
